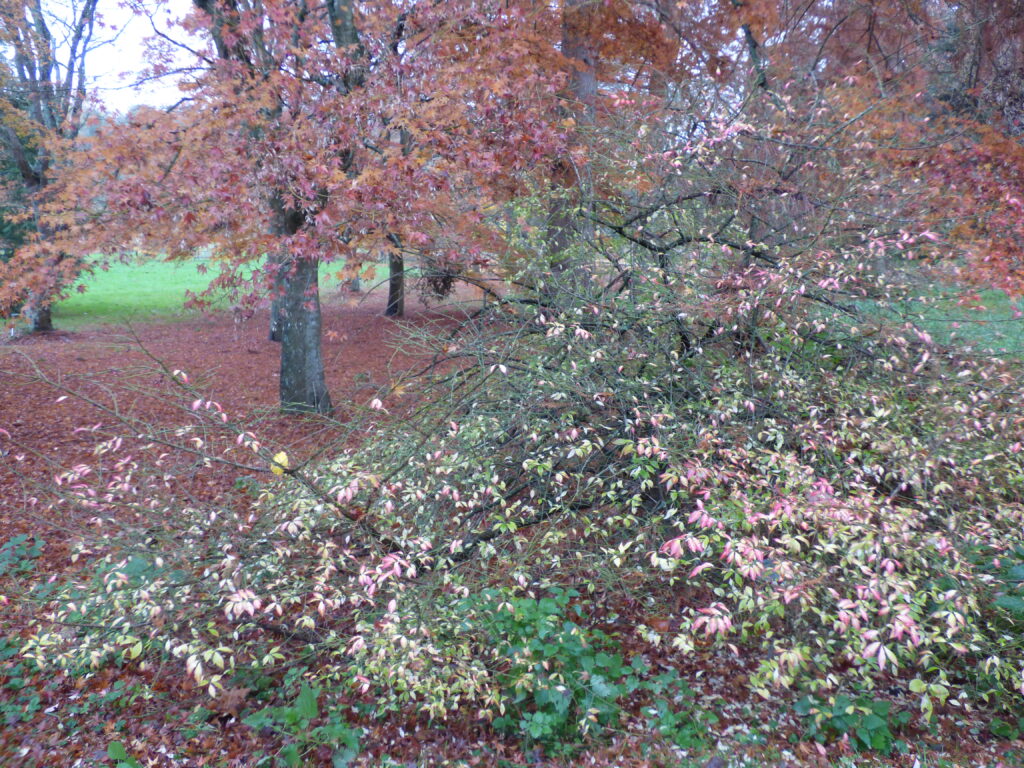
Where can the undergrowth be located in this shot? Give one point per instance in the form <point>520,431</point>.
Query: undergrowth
<point>836,499</point>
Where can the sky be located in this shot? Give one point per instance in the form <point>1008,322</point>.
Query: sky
<point>113,67</point>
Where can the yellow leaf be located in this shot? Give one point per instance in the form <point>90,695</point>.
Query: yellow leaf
<point>280,463</point>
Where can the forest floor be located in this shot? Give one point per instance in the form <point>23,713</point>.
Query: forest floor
<point>57,720</point>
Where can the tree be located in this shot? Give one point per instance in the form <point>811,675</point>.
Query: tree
<point>291,147</point>
<point>328,133</point>
<point>43,102</point>
<point>710,423</point>
<point>13,226</point>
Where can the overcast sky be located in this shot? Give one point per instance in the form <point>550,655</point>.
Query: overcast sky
<point>113,68</point>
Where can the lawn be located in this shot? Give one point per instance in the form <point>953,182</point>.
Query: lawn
<point>152,290</point>
<point>992,324</point>
<point>130,293</point>
<point>995,324</point>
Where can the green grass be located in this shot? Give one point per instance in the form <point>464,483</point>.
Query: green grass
<point>151,290</point>
<point>993,328</point>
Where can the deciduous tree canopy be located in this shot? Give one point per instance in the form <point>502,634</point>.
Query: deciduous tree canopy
<point>335,133</point>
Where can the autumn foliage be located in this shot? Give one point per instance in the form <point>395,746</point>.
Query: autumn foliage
<point>703,392</point>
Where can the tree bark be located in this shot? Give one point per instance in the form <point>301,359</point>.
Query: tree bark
<point>572,186</point>
<point>396,285</point>
<point>578,48</point>
<point>303,387</point>
<point>295,318</point>
<point>39,315</point>
<point>274,333</point>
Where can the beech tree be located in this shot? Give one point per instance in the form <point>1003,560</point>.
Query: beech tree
<point>42,101</point>
<point>293,147</point>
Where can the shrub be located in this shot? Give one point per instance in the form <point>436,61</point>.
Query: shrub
<point>793,478</point>
<point>557,678</point>
<point>869,724</point>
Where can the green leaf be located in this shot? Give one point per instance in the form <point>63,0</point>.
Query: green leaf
<point>939,691</point>
<point>261,719</point>
<point>1003,730</point>
<point>1014,605</point>
<point>603,688</point>
<point>1016,573</point>
<point>881,740</point>
<point>290,756</point>
<point>305,704</point>
<point>803,706</point>
<point>873,722</point>
<point>116,751</point>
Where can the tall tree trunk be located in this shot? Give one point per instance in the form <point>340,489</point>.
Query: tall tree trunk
<point>577,27</point>
<point>303,388</point>
<point>572,185</point>
<point>396,285</point>
<point>296,319</point>
<point>37,308</point>
<point>559,228</point>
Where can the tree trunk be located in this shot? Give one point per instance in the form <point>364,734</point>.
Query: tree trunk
<point>577,25</point>
<point>274,333</point>
<point>559,229</point>
<point>37,309</point>
<point>572,184</point>
<point>39,315</point>
<point>303,388</point>
<point>396,285</point>
<point>295,318</point>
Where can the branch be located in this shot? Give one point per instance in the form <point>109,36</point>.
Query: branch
<point>31,176</point>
